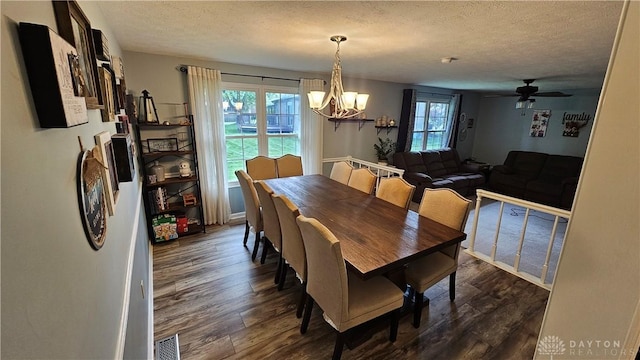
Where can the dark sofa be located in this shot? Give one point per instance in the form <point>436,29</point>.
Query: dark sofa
<point>538,177</point>
<point>438,169</point>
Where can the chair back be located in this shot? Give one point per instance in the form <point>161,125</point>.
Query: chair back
<point>362,179</point>
<point>251,201</point>
<point>289,165</point>
<point>292,245</point>
<point>270,220</point>
<point>262,168</point>
<point>326,270</point>
<point>341,171</point>
<point>446,207</point>
<point>395,190</point>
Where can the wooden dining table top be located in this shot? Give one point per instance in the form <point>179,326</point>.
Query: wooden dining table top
<point>375,236</point>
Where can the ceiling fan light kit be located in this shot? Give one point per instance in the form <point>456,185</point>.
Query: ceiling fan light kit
<point>526,92</point>
<point>344,104</point>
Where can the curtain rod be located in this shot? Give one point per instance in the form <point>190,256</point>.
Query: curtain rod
<point>432,93</point>
<point>183,69</point>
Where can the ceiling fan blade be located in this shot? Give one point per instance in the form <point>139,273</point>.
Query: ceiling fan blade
<point>551,94</point>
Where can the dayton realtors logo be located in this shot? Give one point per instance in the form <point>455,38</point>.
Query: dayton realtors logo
<point>553,345</point>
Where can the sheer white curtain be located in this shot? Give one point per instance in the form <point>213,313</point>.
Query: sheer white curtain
<point>205,95</point>
<point>311,129</point>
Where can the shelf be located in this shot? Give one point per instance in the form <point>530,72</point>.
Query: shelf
<point>379,128</point>
<point>159,154</point>
<point>159,126</point>
<point>174,187</point>
<point>176,180</point>
<point>193,229</point>
<point>337,122</point>
<point>176,207</point>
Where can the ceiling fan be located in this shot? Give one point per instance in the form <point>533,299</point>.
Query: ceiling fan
<point>527,91</point>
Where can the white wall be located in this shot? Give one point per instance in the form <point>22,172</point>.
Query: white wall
<point>597,286</point>
<point>60,298</point>
<point>500,127</point>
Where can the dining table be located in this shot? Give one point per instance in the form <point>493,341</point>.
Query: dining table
<point>376,237</point>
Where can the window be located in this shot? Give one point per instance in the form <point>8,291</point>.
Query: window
<point>431,125</point>
<point>259,120</point>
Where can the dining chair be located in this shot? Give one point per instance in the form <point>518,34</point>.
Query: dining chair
<point>347,300</point>
<point>362,179</point>
<point>272,235</point>
<point>293,253</point>
<point>395,190</point>
<point>289,165</point>
<point>253,213</point>
<point>262,168</point>
<point>451,209</point>
<point>341,171</point>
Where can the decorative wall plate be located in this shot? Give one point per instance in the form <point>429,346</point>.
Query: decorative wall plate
<point>91,199</point>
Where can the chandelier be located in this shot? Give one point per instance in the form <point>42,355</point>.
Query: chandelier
<point>344,105</point>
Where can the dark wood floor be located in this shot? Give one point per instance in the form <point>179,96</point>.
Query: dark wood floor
<point>224,306</point>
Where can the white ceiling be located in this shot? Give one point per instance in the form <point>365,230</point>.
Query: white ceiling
<point>564,44</point>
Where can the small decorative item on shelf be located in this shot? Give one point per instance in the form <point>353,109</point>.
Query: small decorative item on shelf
<point>189,199</point>
<point>165,227</point>
<point>151,179</point>
<point>158,171</point>
<point>147,108</point>
<point>383,149</point>
<point>183,225</point>
<point>392,122</point>
<point>185,169</point>
<point>160,199</point>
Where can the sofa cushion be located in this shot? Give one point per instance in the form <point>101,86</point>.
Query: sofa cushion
<point>559,167</point>
<point>413,162</point>
<point>433,162</point>
<point>450,160</point>
<point>537,186</point>
<point>526,163</point>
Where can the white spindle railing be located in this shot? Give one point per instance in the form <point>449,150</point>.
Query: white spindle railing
<point>528,205</point>
<point>380,170</point>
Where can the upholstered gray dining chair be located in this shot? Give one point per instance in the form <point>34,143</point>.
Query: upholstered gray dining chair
<point>347,300</point>
<point>293,253</point>
<point>341,171</point>
<point>362,179</point>
<point>262,168</point>
<point>451,209</point>
<point>395,190</point>
<point>289,165</point>
<point>271,224</point>
<point>253,213</point>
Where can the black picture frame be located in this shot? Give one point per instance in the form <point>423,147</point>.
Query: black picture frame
<point>91,201</point>
<point>162,145</point>
<point>109,101</point>
<point>74,26</point>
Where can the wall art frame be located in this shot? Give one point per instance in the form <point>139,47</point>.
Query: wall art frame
<point>74,26</point>
<point>107,84</point>
<point>109,170</point>
<point>54,77</point>
<point>162,145</point>
<point>91,200</point>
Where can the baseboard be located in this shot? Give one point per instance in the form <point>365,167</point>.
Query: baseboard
<point>124,316</point>
<point>150,341</point>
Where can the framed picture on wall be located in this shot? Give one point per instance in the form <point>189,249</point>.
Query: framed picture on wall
<point>74,26</point>
<point>110,173</point>
<point>107,81</point>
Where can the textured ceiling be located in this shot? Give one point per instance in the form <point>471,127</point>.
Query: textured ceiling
<point>564,44</point>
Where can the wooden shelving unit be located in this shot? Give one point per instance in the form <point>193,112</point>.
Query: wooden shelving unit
<point>175,186</point>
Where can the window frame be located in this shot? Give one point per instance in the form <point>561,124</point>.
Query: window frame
<point>425,130</point>
<point>261,118</point>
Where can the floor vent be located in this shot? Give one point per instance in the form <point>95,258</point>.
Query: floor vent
<point>168,348</point>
